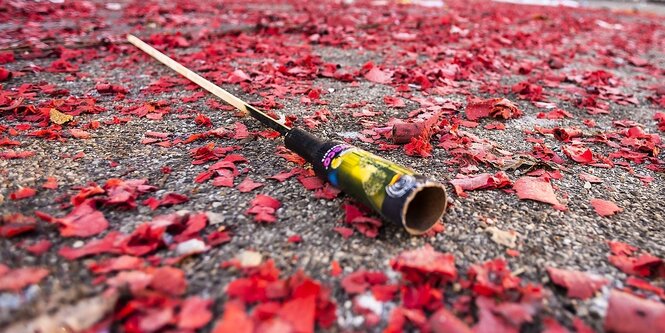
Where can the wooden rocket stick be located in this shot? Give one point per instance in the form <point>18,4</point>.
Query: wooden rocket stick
<point>209,86</point>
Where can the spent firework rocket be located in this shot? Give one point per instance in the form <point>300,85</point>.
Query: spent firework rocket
<point>397,193</point>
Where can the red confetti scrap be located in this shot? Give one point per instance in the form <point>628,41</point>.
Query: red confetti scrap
<point>202,120</point>
<point>8,142</point>
<point>83,221</point>
<point>16,279</point>
<point>442,321</point>
<point>359,281</point>
<point>625,258</point>
<point>51,183</point>
<point>40,247</point>
<point>121,263</point>
<point>123,193</point>
<point>5,75</point>
<point>393,101</point>
<point>535,188</point>
<point>248,185</point>
<point>646,286</point>
<point>566,134</point>
<point>345,232</point>
<point>194,313</point>
<point>12,225</point>
<point>294,239</point>
<point>580,285</point>
<point>23,193</point>
<point>480,182</point>
<point>311,183</point>
<point>168,199</point>
<point>578,154</point>
<point>630,314</point>
<point>296,303</point>
<point>378,76</point>
<point>419,146</point>
<point>216,238</point>
<point>526,90</point>
<point>327,192</point>
<point>425,263</point>
<point>500,108</point>
<point>169,280</point>
<point>660,118</point>
<point>335,268</point>
<point>263,207</point>
<point>238,76</point>
<point>106,88</point>
<point>85,193</point>
<point>554,114</point>
<point>503,317</point>
<point>492,278</point>
<point>234,320</point>
<point>11,154</point>
<point>290,156</point>
<point>366,225</point>
<point>590,178</point>
<point>605,208</point>
<point>620,248</point>
<point>108,244</point>
<point>6,57</point>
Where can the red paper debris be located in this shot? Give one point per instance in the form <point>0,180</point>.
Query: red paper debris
<point>263,208</point>
<point>169,280</point>
<point>40,247</point>
<point>5,75</point>
<point>356,217</point>
<point>535,188</point>
<point>492,278</point>
<point>51,183</point>
<point>580,285</point>
<point>378,76</point>
<point>83,221</point>
<point>248,185</point>
<point>419,146</point>
<point>579,154</point>
<point>590,178</point>
<point>297,302</point>
<point>345,232</point>
<point>630,314</point>
<point>479,182</point>
<point>425,263</point>
<point>18,278</point>
<point>12,225</point>
<point>116,264</point>
<point>168,199</point>
<point>443,321</point>
<point>604,207</point>
<point>500,108</point>
<point>108,244</point>
<point>194,313</point>
<point>361,280</point>
<point>234,320</point>
<point>23,193</point>
<point>393,101</point>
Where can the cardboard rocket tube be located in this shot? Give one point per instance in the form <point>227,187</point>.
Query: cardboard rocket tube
<point>397,193</point>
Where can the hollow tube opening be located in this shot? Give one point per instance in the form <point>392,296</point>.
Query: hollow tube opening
<point>425,208</point>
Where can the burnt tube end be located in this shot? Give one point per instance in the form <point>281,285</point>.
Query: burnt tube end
<point>424,207</point>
